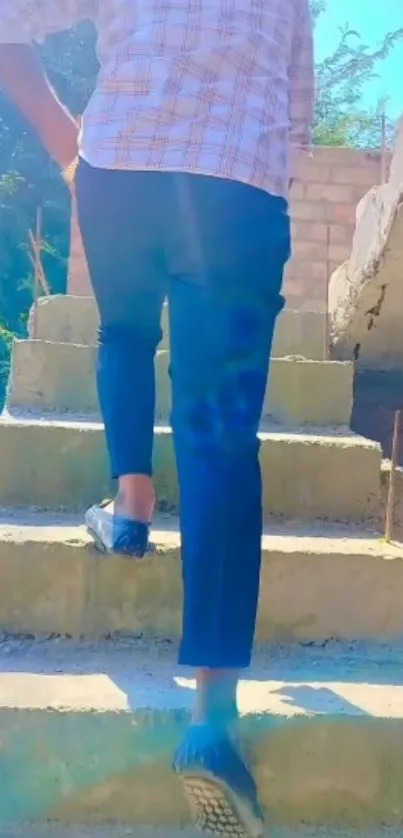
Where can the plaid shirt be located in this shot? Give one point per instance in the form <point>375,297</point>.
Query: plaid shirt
<point>215,87</point>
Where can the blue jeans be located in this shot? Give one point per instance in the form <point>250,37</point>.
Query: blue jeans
<point>217,250</point>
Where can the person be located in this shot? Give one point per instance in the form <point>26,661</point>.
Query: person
<point>182,189</point>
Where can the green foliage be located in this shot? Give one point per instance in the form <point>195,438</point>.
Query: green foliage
<point>341,80</point>
<point>6,337</point>
<point>31,179</point>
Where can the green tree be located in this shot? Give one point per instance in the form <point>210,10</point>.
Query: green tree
<point>341,79</point>
<point>30,178</point>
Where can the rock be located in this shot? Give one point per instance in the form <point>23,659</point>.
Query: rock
<point>365,293</point>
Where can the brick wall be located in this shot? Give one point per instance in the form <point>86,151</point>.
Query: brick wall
<point>332,184</point>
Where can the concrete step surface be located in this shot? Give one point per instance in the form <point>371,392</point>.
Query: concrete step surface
<point>75,320</point>
<point>308,473</point>
<point>88,731</point>
<point>57,830</point>
<point>318,581</point>
<point>61,377</point>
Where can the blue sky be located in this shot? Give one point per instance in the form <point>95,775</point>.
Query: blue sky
<point>372,19</point>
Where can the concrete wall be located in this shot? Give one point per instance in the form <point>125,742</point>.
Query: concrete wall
<point>333,183</point>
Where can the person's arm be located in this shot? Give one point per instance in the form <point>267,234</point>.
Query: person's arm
<point>24,80</point>
<point>301,85</point>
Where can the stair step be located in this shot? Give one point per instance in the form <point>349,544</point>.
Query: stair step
<point>75,320</point>
<point>318,581</point>
<point>61,377</point>
<point>57,830</point>
<point>88,732</point>
<point>312,473</point>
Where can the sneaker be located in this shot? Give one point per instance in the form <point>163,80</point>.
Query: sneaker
<point>115,534</point>
<point>218,784</point>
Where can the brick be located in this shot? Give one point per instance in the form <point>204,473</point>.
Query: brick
<point>298,288</point>
<point>342,213</point>
<point>297,192</point>
<point>341,233</point>
<point>299,269</point>
<point>294,230</point>
<point>307,211</point>
<point>336,157</point>
<point>293,290</point>
<point>319,271</point>
<point>329,193</point>
<point>316,173</point>
<point>339,253</point>
<point>309,250</point>
<point>311,231</point>
<point>360,175</point>
<point>299,272</point>
<point>302,210</point>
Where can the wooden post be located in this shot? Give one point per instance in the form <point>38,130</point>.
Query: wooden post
<point>36,262</point>
<point>392,480</point>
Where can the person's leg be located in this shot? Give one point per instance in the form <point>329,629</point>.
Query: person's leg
<point>119,222</point>
<point>230,247</point>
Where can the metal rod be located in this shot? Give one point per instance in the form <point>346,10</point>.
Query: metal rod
<point>392,480</point>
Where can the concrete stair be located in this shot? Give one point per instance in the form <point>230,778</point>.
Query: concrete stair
<point>66,319</point>
<point>88,725</point>
<point>88,732</point>
<point>57,830</point>
<point>60,463</point>
<point>49,376</point>
<point>317,581</point>
<point>52,452</point>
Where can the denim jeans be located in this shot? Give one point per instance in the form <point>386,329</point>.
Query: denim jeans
<point>216,249</point>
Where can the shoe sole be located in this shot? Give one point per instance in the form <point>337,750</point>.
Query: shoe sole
<point>98,544</point>
<point>217,810</point>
